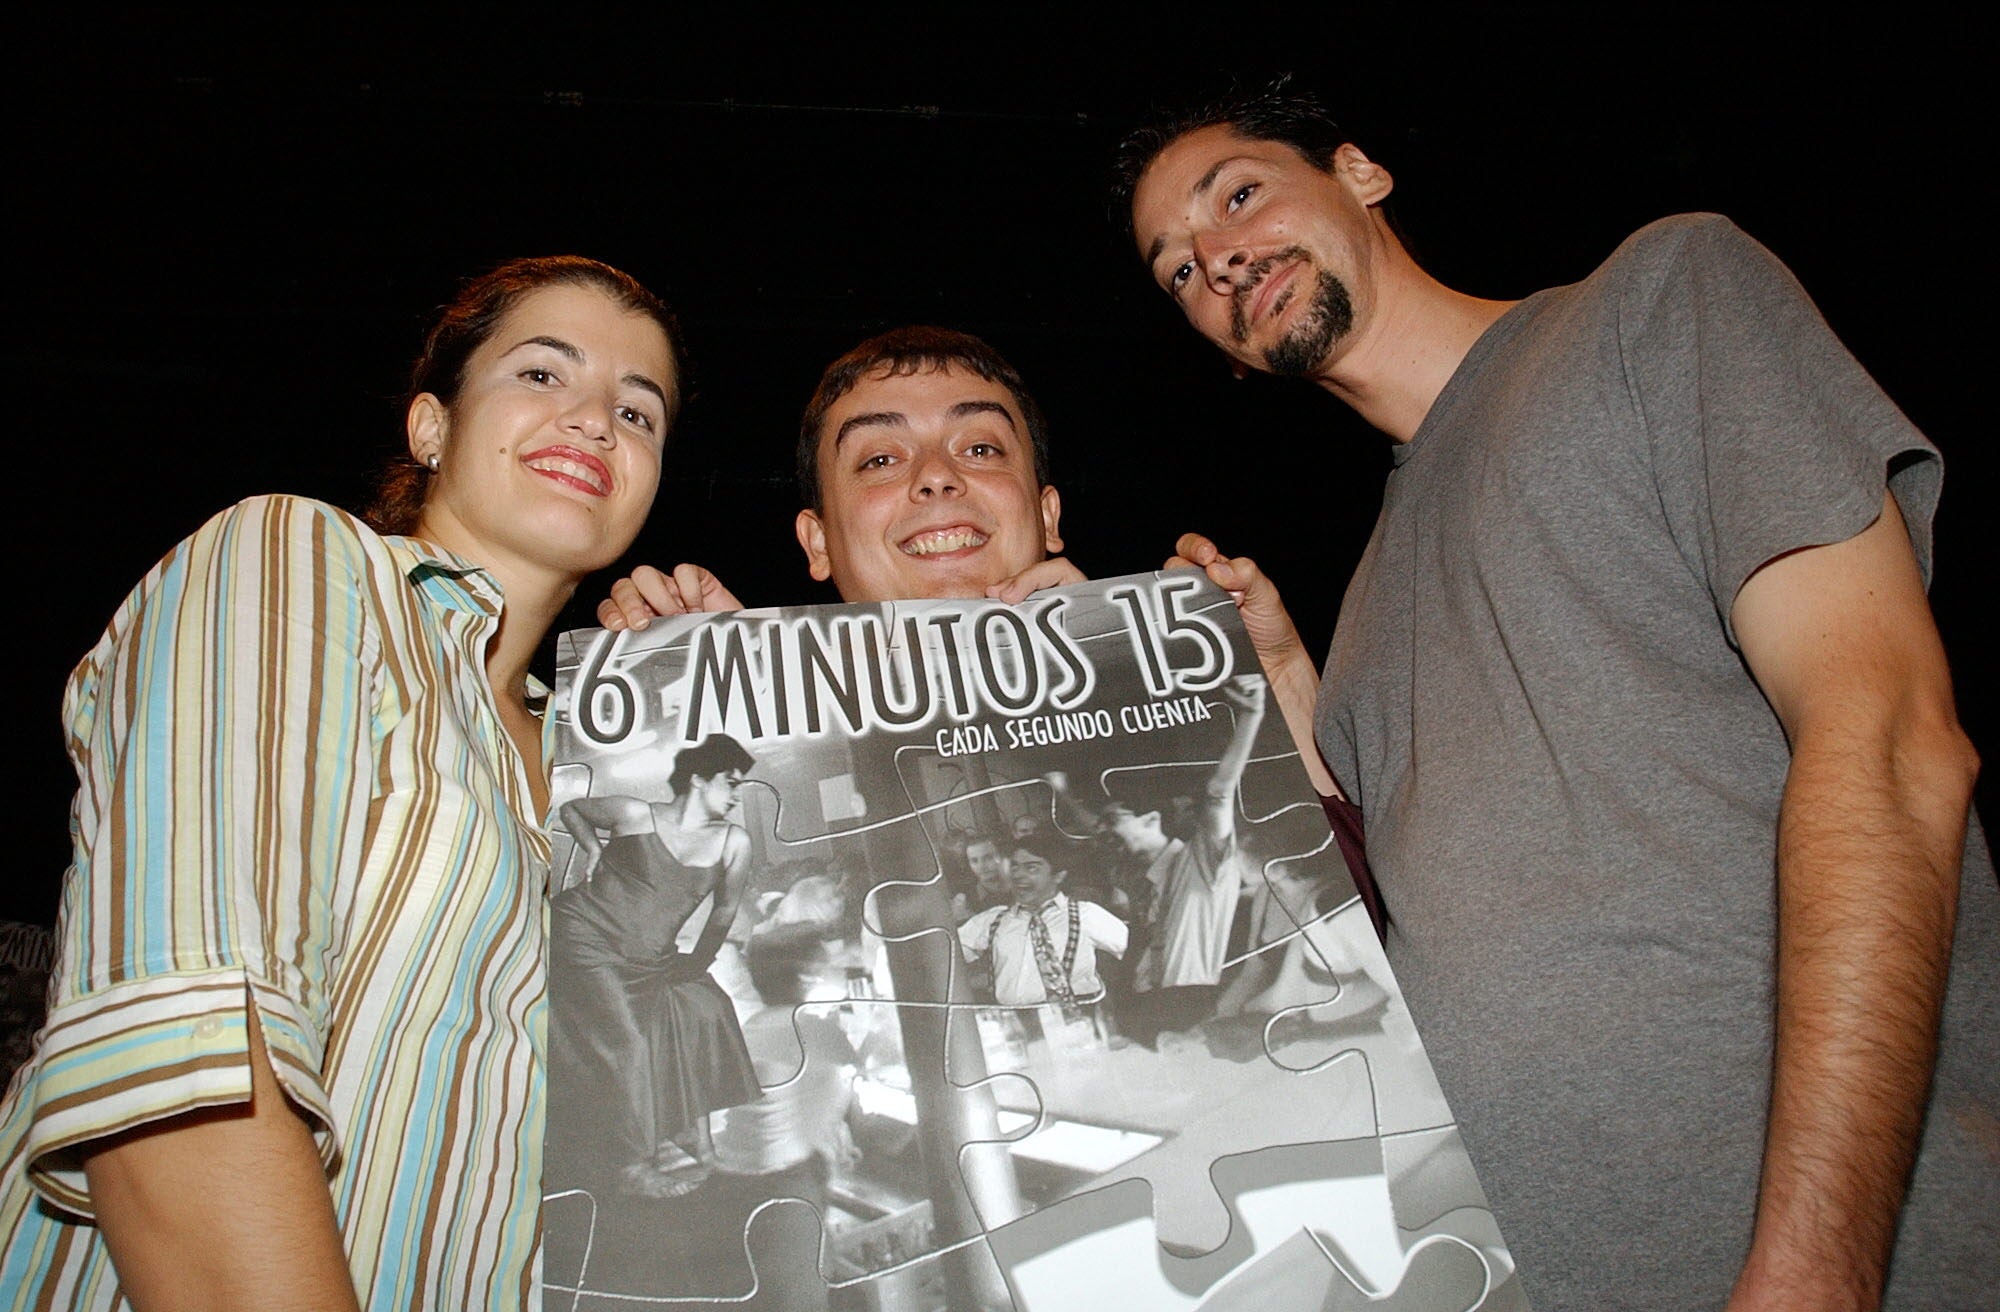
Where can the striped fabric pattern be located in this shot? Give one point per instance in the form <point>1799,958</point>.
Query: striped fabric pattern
<point>298,804</point>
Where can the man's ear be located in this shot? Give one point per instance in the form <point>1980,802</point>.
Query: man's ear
<point>812,538</point>
<point>1051,520</point>
<point>1368,181</point>
<point>425,425</point>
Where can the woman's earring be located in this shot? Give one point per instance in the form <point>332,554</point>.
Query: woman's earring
<point>433,462</point>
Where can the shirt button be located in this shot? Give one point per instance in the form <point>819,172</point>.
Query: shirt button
<point>208,1027</point>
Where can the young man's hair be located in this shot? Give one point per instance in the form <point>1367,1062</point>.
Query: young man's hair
<point>899,353</point>
<point>1275,112</point>
<point>1043,846</point>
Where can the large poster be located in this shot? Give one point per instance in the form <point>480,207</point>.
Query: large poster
<point>952,954</point>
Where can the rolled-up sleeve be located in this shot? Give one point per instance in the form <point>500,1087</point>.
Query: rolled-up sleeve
<point>222,731</point>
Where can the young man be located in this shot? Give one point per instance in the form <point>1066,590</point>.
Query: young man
<point>1044,944</point>
<point>923,464</point>
<point>1196,885</point>
<point>1642,622</point>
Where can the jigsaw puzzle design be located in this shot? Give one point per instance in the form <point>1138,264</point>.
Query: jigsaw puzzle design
<point>952,955</point>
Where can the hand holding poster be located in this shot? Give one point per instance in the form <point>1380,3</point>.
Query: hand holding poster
<point>951,954</point>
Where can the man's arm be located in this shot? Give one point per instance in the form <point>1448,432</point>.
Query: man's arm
<point>1293,673</point>
<point>1870,833</point>
<point>222,1209</point>
<point>1245,695</point>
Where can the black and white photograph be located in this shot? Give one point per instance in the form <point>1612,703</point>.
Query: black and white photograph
<point>909,937</point>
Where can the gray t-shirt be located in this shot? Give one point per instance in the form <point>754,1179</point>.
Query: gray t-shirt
<point>1571,781</point>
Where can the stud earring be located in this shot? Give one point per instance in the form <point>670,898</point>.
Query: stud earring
<point>433,462</point>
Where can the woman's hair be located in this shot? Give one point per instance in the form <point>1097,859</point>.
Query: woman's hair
<point>464,324</point>
<point>716,754</point>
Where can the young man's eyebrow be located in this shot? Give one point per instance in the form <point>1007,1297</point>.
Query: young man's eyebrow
<point>885,418</point>
<point>966,409</point>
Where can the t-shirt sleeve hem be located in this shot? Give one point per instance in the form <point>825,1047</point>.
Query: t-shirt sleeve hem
<point>149,1049</point>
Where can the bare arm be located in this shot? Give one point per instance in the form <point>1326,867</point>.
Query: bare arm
<point>728,895</point>
<point>1293,673</point>
<point>223,1209</point>
<point>589,819</point>
<point>1245,695</point>
<point>1841,640</point>
<point>646,594</point>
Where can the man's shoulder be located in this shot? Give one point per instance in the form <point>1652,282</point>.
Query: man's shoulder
<point>1677,244</point>
<point>982,922</point>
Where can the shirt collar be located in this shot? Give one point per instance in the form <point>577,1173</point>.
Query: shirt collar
<point>446,578</point>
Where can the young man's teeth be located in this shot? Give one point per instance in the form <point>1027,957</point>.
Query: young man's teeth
<point>931,544</point>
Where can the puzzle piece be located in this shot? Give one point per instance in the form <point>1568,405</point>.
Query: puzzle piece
<point>1099,1249</point>
<point>1273,1138</point>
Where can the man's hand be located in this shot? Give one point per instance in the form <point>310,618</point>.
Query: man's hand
<point>646,594</point>
<point>1055,572</point>
<point>1870,834</point>
<point>1293,673</point>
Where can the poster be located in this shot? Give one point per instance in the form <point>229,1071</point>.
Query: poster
<point>951,954</point>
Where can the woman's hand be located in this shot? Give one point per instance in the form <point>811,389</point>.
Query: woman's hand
<point>646,594</point>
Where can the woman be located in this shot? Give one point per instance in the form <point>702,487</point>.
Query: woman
<point>646,1043</point>
<point>302,974</point>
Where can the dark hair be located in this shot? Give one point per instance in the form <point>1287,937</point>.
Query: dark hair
<point>1044,846</point>
<point>901,352</point>
<point>716,754</point>
<point>780,954</point>
<point>464,324</point>
<point>1001,846</point>
<point>1272,113</point>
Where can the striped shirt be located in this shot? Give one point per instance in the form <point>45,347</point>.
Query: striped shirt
<point>298,805</point>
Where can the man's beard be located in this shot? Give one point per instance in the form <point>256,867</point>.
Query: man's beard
<point>1322,323</point>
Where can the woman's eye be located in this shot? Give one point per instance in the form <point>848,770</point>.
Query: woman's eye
<point>636,418</point>
<point>539,375</point>
<point>983,450</point>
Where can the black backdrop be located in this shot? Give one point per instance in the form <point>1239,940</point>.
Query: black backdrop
<point>227,237</point>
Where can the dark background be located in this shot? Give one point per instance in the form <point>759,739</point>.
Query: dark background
<point>227,237</point>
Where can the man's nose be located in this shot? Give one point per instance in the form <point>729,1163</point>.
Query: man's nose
<point>935,474</point>
<point>1222,259</point>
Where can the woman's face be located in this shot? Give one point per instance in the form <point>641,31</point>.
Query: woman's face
<point>549,458</point>
<point>719,792</point>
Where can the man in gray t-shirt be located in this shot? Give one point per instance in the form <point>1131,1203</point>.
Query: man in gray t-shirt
<point>1640,695</point>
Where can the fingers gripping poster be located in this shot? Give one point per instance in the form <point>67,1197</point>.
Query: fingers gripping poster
<point>958,955</point>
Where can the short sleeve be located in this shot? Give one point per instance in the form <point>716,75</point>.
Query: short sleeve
<point>1767,436</point>
<point>976,934</point>
<point>221,730</point>
<point>1103,928</point>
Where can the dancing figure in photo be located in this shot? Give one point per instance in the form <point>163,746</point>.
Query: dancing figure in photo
<point>646,1044</point>
<point>1043,945</point>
